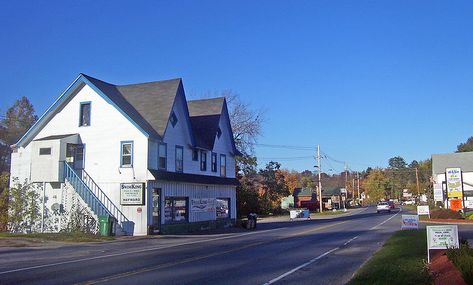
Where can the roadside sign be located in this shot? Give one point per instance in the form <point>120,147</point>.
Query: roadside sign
<point>456,204</point>
<point>441,237</point>
<point>438,192</point>
<point>410,222</point>
<point>454,182</point>
<point>423,210</point>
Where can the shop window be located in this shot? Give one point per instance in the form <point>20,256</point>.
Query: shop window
<point>223,208</point>
<point>84,114</point>
<point>126,154</point>
<point>175,210</point>
<point>223,165</point>
<point>179,158</point>
<point>162,154</point>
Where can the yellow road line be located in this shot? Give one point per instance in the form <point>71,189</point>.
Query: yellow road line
<point>187,260</point>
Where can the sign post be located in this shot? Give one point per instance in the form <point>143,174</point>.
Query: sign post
<point>441,237</point>
<point>453,177</point>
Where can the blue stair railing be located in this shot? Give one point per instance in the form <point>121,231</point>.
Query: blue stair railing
<point>93,196</point>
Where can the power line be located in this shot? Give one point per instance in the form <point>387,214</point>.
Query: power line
<point>292,147</point>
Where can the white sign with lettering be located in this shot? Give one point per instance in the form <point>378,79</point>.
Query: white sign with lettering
<point>423,210</point>
<point>441,237</point>
<point>132,194</point>
<point>201,205</point>
<point>410,222</point>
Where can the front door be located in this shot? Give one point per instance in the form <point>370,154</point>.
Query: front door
<point>75,156</point>
<point>156,210</point>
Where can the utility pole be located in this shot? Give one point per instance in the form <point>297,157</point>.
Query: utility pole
<point>358,184</point>
<point>417,182</point>
<point>346,187</point>
<point>320,178</point>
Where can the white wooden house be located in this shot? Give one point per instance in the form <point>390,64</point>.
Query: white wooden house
<point>140,153</point>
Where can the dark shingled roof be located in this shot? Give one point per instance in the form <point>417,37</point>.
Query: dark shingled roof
<point>205,116</point>
<point>205,107</point>
<point>193,178</point>
<point>148,104</point>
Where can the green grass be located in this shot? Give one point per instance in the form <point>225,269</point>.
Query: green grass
<point>399,261</point>
<point>409,208</point>
<point>328,213</point>
<point>65,237</point>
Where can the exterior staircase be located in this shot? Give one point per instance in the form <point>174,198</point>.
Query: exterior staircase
<point>96,199</point>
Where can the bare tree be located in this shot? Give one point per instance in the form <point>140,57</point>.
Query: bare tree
<point>246,122</point>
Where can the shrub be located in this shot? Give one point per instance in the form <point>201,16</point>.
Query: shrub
<point>462,258</point>
<point>445,214</point>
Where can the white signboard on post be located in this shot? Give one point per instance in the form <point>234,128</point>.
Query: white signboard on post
<point>132,194</point>
<point>410,222</point>
<point>438,192</point>
<point>441,237</point>
<point>203,205</point>
<point>423,210</point>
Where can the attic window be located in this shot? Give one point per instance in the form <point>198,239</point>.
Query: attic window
<point>219,132</point>
<point>173,119</point>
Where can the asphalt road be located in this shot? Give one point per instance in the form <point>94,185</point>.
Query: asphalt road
<point>317,251</point>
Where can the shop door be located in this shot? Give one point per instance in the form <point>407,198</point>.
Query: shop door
<point>156,209</point>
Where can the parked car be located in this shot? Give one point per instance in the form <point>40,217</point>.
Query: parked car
<point>383,207</point>
<point>408,202</point>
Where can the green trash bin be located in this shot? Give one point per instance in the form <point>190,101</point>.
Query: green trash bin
<point>105,225</point>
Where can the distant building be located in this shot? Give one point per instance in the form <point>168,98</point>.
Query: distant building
<point>452,175</point>
<point>304,195</point>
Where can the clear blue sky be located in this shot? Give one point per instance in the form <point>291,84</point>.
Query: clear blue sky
<point>367,80</point>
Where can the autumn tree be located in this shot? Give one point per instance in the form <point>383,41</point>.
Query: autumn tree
<point>291,178</point>
<point>273,185</point>
<point>375,185</point>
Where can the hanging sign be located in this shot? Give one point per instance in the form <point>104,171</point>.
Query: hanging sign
<point>132,194</point>
<point>202,205</point>
<point>454,182</point>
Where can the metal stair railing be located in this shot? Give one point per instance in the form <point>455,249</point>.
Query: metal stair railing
<point>92,194</point>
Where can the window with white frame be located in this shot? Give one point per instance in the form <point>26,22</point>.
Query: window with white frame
<point>203,160</point>
<point>179,158</point>
<point>162,155</point>
<point>223,165</point>
<point>126,154</point>
<point>214,162</point>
